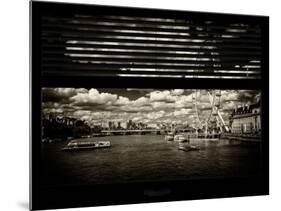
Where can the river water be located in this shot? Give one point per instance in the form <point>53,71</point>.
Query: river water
<point>134,158</point>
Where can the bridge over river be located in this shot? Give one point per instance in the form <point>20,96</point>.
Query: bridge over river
<point>140,131</point>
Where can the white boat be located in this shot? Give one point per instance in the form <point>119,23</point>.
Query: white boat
<point>86,144</point>
<point>180,138</point>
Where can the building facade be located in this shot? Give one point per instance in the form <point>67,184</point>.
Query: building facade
<point>246,119</point>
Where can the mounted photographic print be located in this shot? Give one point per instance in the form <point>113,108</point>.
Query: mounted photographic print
<point>133,105</point>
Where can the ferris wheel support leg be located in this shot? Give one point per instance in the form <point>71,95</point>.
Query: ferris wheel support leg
<point>217,111</point>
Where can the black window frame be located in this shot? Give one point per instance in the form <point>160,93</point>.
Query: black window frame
<point>110,194</point>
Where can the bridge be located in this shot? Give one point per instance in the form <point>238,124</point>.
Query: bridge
<point>139,131</point>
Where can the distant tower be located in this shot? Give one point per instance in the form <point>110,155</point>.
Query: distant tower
<point>110,125</point>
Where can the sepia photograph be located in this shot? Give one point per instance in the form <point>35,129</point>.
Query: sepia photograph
<point>158,104</point>
<point>97,136</point>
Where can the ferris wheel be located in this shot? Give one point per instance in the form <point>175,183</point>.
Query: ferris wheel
<point>206,106</point>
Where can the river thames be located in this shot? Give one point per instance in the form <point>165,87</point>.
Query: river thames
<point>138,158</point>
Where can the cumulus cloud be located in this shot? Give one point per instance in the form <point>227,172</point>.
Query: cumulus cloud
<point>229,95</point>
<point>184,101</point>
<point>248,95</point>
<point>60,94</point>
<point>182,111</point>
<point>164,96</point>
<point>177,91</point>
<point>98,106</point>
<point>142,101</point>
<point>134,109</point>
<point>93,97</point>
<point>122,101</point>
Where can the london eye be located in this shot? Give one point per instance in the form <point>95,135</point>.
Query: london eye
<point>206,111</point>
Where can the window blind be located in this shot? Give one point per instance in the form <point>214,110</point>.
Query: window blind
<point>143,46</point>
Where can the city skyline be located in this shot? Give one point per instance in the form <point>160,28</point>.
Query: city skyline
<point>148,106</point>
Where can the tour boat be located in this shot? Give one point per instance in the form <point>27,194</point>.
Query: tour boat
<point>86,144</point>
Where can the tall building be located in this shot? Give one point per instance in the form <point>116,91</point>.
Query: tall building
<point>246,119</point>
<point>110,124</point>
<point>129,124</point>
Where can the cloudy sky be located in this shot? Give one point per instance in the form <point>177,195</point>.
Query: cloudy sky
<point>150,106</point>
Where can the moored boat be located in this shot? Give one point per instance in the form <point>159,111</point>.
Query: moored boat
<point>169,136</point>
